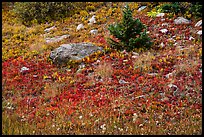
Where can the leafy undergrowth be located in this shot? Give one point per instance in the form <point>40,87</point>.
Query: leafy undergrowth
<point>156,92</point>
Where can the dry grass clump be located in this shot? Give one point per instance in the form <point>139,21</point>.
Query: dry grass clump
<point>104,70</point>
<point>143,62</point>
<point>187,67</point>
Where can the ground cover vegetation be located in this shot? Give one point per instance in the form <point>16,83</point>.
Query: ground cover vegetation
<point>127,89</point>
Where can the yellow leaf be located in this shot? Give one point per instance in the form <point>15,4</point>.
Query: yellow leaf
<point>160,60</point>
<point>164,59</point>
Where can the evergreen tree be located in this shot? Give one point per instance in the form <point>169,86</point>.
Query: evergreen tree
<point>130,33</point>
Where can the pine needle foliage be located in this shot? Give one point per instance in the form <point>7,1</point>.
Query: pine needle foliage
<point>130,33</point>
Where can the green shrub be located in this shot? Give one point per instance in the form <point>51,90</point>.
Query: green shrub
<point>171,8</point>
<point>130,33</point>
<point>42,12</point>
<point>194,8</point>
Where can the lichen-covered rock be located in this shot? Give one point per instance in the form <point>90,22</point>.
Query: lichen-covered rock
<point>141,8</point>
<point>198,24</point>
<point>49,29</point>
<point>56,39</point>
<point>73,51</point>
<point>181,20</point>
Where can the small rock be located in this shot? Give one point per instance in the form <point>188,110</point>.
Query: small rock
<point>172,85</point>
<point>80,26</point>
<point>92,20</point>
<point>82,65</point>
<point>123,81</point>
<point>94,31</point>
<point>153,74</point>
<point>98,61</point>
<point>160,14</point>
<point>125,60</point>
<point>142,96</point>
<point>56,39</point>
<point>135,53</point>
<point>199,32</point>
<point>164,30</point>
<point>162,19</point>
<point>161,45</point>
<point>165,24</point>
<point>49,29</point>
<point>134,57</point>
<point>168,75</point>
<point>181,20</point>
<point>24,69</point>
<point>191,38</point>
<point>35,76</point>
<point>141,8</point>
<point>199,23</point>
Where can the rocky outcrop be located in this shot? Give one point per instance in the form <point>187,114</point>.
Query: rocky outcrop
<point>56,39</point>
<point>73,51</point>
<point>181,20</point>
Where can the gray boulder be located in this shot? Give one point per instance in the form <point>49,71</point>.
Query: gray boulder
<point>73,51</point>
<point>181,20</point>
<point>56,39</point>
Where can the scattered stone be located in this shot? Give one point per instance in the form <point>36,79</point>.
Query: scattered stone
<point>165,24</point>
<point>73,51</point>
<point>24,69</point>
<point>35,76</point>
<point>80,26</point>
<point>123,81</point>
<point>170,74</point>
<point>198,24</point>
<point>172,85</point>
<point>125,60</point>
<point>82,65</point>
<point>141,8</point>
<point>124,52</point>
<point>135,53</point>
<point>92,20</point>
<point>164,30</point>
<point>94,31</point>
<point>153,74</point>
<point>142,96</point>
<point>161,45</point>
<point>199,32</point>
<point>191,38</point>
<point>134,57</point>
<point>162,19</point>
<point>160,14</point>
<point>181,20</point>
<point>49,29</point>
<point>56,39</point>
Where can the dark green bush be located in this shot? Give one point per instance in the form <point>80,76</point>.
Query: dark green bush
<point>171,8</point>
<point>194,8</point>
<point>130,33</point>
<point>41,12</point>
